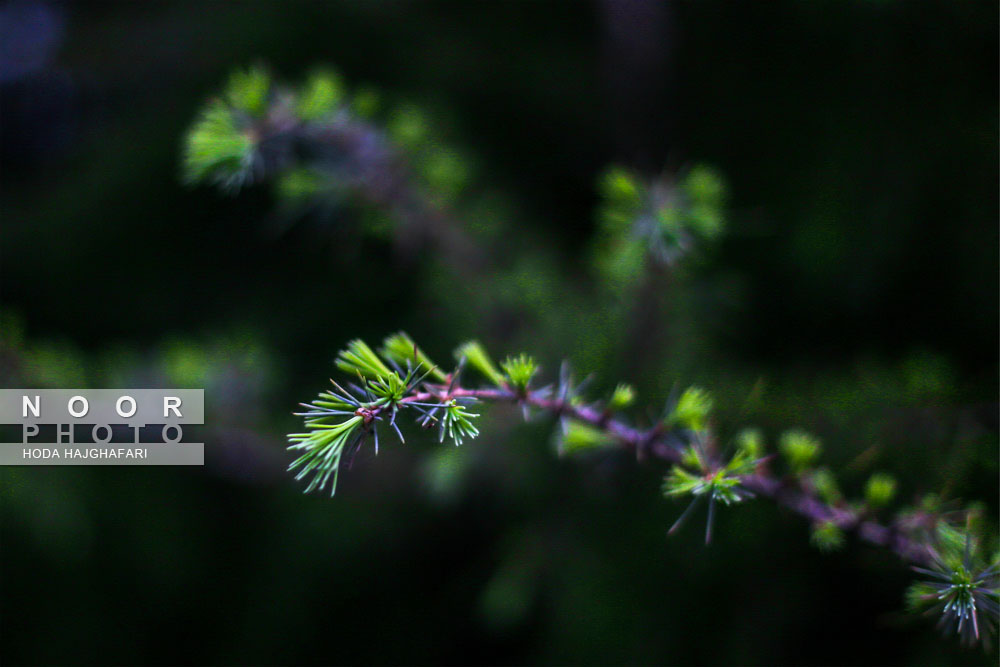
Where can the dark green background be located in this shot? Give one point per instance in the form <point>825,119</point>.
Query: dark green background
<point>855,295</point>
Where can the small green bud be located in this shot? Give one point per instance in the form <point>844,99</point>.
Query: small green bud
<point>800,449</point>
<point>721,486</point>
<point>322,93</point>
<point>248,90</point>
<point>621,189</point>
<point>750,441</point>
<point>622,397</point>
<point>477,357</point>
<point>880,490</point>
<point>444,172</point>
<point>706,193</point>
<point>930,502</point>
<point>826,486</point>
<point>827,536</point>
<point>408,127</point>
<point>579,437</point>
<point>703,185</point>
<point>519,370</point>
<point>692,409</point>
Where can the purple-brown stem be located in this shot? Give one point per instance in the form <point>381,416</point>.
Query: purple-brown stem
<point>667,445</point>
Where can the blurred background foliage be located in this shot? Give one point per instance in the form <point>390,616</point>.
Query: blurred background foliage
<point>854,293</point>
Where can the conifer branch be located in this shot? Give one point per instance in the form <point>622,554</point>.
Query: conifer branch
<point>317,144</point>
<point>401,377</point>
<point>668,446</point>
<point>682,438</point>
